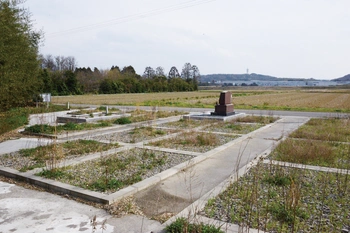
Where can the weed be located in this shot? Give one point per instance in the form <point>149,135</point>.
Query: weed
<point>308,152</point>
<point>324,129</point>
<point>256,119</point>
<point>18,117</point>
<point>182,225</point>
<point>40,129</point>
<point>52,174</point>
<point>278,180</point>
<point>101,185</point>
<point>123,121</point>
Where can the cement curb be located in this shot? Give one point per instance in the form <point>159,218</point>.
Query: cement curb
<point>59,187</point>
<point>191,211</point>
<point>308,167</point>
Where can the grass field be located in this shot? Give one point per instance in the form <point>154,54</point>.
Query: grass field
<point>328,100</point>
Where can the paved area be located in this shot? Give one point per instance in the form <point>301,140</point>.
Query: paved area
<point>188,186</point>
<point>23,210</point>
<point>22,143</point>
<point>26,211</point>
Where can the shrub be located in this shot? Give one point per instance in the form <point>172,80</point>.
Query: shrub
<point>72,126</point>
<point>122,121</point>
<point>40,129</point>
<point>181,225</point>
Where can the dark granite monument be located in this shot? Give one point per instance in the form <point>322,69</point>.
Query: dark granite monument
<point>225,106</point>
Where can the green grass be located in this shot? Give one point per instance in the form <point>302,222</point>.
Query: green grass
<point>18,117</point>
<point>182,225</point>
<point>123,121</point>
<point>70,126</point>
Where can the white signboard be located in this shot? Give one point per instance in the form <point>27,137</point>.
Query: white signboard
<point>46,97</point>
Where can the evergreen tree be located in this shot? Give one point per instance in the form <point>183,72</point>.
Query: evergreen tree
<point>19,64</point>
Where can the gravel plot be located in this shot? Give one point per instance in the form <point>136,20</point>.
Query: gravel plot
<point>280,196</point>
<point>18,161</point>
<point>138,134</point>
<point>192,141</point>
<point>131,166</point>
<point>233,127</point>
<point>186,124</point>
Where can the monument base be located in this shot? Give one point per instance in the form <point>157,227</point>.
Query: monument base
<point>209,116</point>
<point>222,114</point>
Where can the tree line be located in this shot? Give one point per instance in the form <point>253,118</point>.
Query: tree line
<point>61,76</point>
<point>25,74</point>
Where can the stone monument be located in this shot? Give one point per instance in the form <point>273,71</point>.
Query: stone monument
<point>225,106</point>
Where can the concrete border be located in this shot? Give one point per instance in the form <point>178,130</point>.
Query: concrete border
<point>58,187</point>
<point>212,117</point>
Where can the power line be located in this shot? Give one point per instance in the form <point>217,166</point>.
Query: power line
<point>132,17</point>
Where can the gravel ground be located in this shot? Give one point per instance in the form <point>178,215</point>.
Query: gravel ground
<point>17,161</point>
<point>233,127</point>
<point>186,124</point>
<point>322,201</point>
<point>136,135</point>
<point>131,163</point>
<point>191,142</point>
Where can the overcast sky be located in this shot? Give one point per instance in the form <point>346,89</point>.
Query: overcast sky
<point>283,38</point>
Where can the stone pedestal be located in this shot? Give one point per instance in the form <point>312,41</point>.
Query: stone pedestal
<point>225,106</point>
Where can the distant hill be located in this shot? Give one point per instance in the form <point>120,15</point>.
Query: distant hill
<point>245,77</point>
<point>346,78</point>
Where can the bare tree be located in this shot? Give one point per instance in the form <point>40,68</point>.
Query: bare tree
<point>149,72</point>
<point>48,62</point>
<point>60,63</point>
<point>70,63</point>
<point>186,72</point>
<point>196,74</point>
<point>173,73</point>
<point>160,71</point>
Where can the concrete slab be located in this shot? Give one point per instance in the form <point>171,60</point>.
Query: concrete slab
<point>26,211</point>
<point>46,118</point>
<point>23,143</point>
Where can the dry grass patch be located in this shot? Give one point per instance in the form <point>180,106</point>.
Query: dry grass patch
<point>186,123</point>
<point>312,152</point>
<point>331,129</point>
<point>283,99</point>
<point>136,135</point>
<point>195,141</point>
<point>256,119</point>
<point>242,125</point>
<point>233,127</point>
